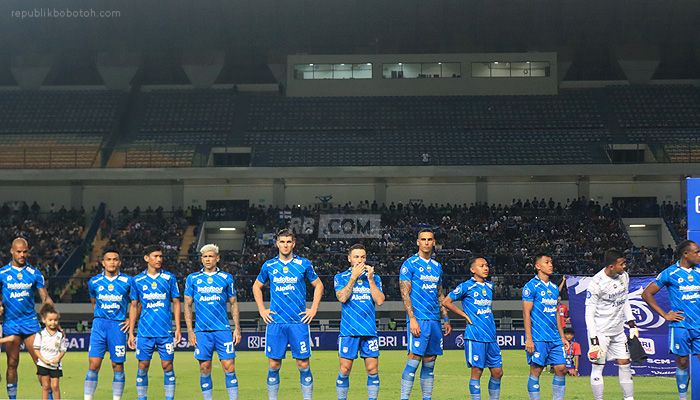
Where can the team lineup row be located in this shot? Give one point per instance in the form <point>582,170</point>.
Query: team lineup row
<point>150,300</point>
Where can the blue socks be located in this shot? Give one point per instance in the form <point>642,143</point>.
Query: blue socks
<point>475,389</point>
<point>118,384</point>
<point>12,391</point>
<point>90,384</point>
<point>169,384</point>
<point>407,378</point>
<point>427,377</point>
<point>142,384</point>
<point>533,387</point>
<point>273,383</point>
<point>307,383</point>
<point>558,387</point>
<point>206,385</point>
<point>494,389</point>
<point>682,382</point>
<point>342,384</point>
<point>231,385</point>
<point>372,386</point>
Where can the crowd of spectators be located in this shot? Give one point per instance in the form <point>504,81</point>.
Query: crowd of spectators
<point>576,233</point>
<point>676,216</point>
<point>52,234</point>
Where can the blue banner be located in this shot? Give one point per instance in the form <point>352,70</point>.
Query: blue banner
<point>653,330</point>
<point>389,340</point>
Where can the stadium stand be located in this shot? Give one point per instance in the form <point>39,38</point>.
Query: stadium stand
<point>56,128</point>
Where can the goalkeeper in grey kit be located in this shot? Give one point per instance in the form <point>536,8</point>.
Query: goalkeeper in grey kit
<point>607,311</point>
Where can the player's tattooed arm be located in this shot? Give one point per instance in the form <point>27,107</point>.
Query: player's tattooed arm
<point>344,294</point>
<point>134,311</point>
<point>405,287</point>
<point>236,316</point>
<point>191,337</point>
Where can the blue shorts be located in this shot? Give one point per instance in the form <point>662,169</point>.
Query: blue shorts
<point>146,345</point>
<point>279,336</point>
<point>482,354</point>
<point>349,346</point>
<point>429,343</point>
<point>207,341</point>
<point>23,328</point>
<point>547,353</point>
<point>683,342</point>
<point>106,335</point>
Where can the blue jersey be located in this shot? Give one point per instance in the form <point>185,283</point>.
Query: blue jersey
<point>426,278</point>
<point>476,300</point>
<point>18,285</point>
<point>287,287</point>
<point>210,293</point>
<point>544,298</point>
<point>155,293</point>
<point>683,287</point>
<point>111,296</point>
<point>357,317</point>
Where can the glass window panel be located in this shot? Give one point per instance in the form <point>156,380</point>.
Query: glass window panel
<point>430,70</point>
<point>520,70</point>
<point>451,70</point>
<point>500,69</point>
<point>539,69</point>
<point>303,71</point>
<point>323,71</point>
<point>481,70</point>
<point>392,71</point>
<point>412,70</point>
<point>362,71</point>
<point>342,71</point>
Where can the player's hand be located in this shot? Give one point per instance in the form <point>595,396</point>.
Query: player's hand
<point>634,332</point>
<point>674,316</point>
<point>266,315</point>
<point>529,346</point>
<point>414,327</point>
<point>595,353</point>
<point>124,325</point>
<point>370,272</point>
<point>236,336</point>
<point>357,270</point>
<point>309,314</point>
<point>132,342</point>
<point>191,338</point>
<point>447,328</point>
<point>178,337</point>
<point>2,310</point>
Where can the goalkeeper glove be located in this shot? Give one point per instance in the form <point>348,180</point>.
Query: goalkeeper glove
<point>634,331</point>
<point>595,352</point>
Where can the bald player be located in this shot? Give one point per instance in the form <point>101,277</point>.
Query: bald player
<point>19,280</point>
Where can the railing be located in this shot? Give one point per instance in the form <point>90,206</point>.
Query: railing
<point>77,257</point>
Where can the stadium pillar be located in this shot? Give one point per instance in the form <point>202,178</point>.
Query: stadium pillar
<point>30,70</point>
<point>278,195</point>
<point>380,191</point>
<point>482,190</point>
<point>117,68</point>
<point>693,204</point>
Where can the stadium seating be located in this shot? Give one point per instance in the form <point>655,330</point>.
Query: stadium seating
<point>56,128</point>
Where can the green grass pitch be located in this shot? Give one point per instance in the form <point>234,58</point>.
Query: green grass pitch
<point>451,376</point>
